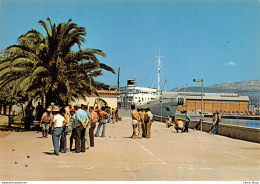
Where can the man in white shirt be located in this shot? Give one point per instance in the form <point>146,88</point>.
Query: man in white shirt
<point>57,123</point>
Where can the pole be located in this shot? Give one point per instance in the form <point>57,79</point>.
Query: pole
<point>118,79</point>
<point>201,106</point>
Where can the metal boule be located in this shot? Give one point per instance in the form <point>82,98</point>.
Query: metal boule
<point>15,162</point>
<point>12,149</point>
<point>28,156</point>
<point>26,165</point>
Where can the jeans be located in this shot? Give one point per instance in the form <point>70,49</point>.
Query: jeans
<point>178,128</point>
<point>63,139</point>
<point>102,122</point>
<point>80,139</point>
<point>109,118</point>
<point>45,129</point>
<point>214,128</point>
<point>55,139</point>
<point>186,126</point>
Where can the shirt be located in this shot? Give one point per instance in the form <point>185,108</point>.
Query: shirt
<point>58,120</point>
<point>46,118</point>
<point>187,117</point>
<point>150,115</point>
<point>80,115</point>
<point>73,121</point>
<point>89,117</point>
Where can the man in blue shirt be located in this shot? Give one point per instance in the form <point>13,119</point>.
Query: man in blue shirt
<point>81,121</point>
<point>187,121</point>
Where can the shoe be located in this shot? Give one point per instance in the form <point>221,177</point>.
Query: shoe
<point>63,151</point>
<point>103,136</point>
<point>96,136</point>
<point>87,147</point>
<point>72,149</point>
<point>82,151</point>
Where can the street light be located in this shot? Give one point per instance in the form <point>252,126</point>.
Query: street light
<point>200,80</point>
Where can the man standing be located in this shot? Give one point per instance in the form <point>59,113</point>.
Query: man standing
<point>216,120</point>
<point>139,122</point>
<point>103,120</point>
<point>135,120</point>
<point>187,121</point>
<point>94,120</point>
<point>73,122</point>
<point>87,126</point>
<point>63,140</point>
<point>39,111</point>
<point>45,122</point>
<point>81,118</point>
<point>29,115</point>
<point>149,123</point>
<point>179,125</point>
<point>143,124</point>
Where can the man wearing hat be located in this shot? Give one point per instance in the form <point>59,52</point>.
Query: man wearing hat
<point>81,120</point>
<point>45,122</point>
<point>179,125</point>
<point>57,124</point>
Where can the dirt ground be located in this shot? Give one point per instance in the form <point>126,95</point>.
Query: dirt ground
<point>167,156</point>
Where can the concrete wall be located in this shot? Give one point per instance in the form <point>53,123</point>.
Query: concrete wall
<point>232,131</point>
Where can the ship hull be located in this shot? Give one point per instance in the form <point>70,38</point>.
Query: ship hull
<point>166,107</point>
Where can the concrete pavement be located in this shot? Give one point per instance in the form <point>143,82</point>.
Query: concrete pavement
<point>166,156</point>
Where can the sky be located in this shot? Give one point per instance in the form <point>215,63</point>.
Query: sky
<point>217,40</point>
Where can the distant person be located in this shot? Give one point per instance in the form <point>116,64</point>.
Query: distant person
<point>200,121</point>
<point>139,123</point>
<point>141,114</point>
<point>39,111</point>
<point>169,122</point>
<point>215,125</point>
<point>135,120</point>
<point>179,125</point>
<point>29,117</point>
<point>45,122</point>
<point>57,123</point>
<point>108,110</point>
<point>143,124</point>
<point>214,121</point>
<point>73,123</point>
<point>87,126</point>
<point>117,114</point>
<point>148,119</point>
<point>187,121</point>
<point>94,120</point>
<point>113,115</point>
<point>103,120</point>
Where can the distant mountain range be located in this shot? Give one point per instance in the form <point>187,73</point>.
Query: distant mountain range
<point>245,87</point>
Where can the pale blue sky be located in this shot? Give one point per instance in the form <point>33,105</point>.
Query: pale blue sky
<point>215,40</point>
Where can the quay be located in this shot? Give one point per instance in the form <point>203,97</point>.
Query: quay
<point>167,156</point>
<point>236,117</point>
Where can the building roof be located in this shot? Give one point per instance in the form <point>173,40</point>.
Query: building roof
<point>106,92</point>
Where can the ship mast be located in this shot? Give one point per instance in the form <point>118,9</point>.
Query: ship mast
<point>159,73</point>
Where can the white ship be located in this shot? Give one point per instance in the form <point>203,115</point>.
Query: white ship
<point>160,103</point>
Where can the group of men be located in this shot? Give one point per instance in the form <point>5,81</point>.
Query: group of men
<point>83,122</point>
<point>141,119</point>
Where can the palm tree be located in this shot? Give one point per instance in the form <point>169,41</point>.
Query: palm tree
<point>47,66</point>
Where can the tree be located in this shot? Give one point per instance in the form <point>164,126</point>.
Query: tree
<point>47,66</point>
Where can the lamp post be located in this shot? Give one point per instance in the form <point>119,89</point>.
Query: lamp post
<point>200,80</point>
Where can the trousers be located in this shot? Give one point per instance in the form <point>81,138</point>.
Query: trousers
<point>55,139</point>
<point>148,127</point>
<point>102,122</point>
<point>45,129</point>
<point>63,139</point>
<point>87,136</point>
<point>80,139</point>
<point>91,134</point>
